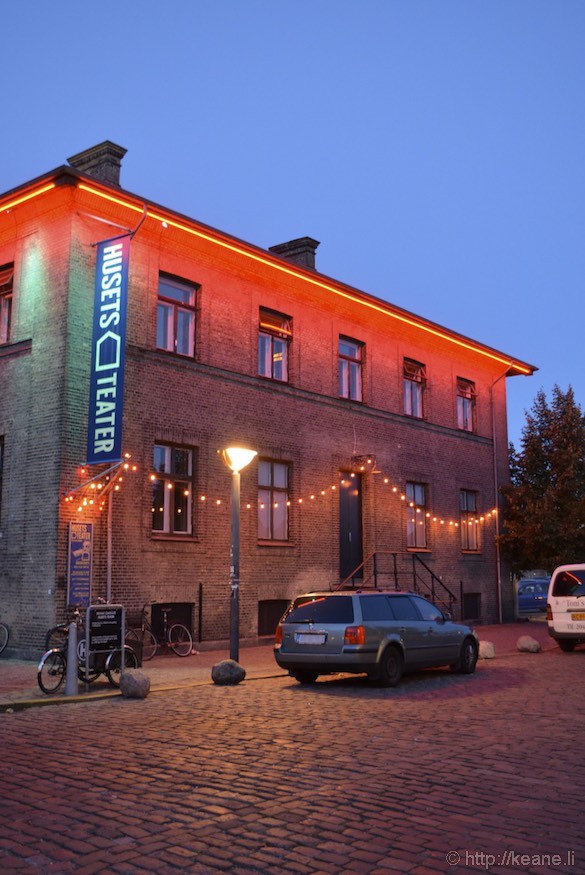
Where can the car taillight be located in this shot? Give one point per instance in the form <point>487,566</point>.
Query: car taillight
<point>355,635</point>
<point>549,615</point>
<point>278,635</point>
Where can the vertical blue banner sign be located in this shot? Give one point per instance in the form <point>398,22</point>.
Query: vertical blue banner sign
<point>106,392</point>
<point>80,561</point>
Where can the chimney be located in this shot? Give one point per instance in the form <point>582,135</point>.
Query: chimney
<point>301,251</point>
<point>102,162</point>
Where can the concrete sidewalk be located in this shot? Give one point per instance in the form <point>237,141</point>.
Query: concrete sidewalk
<point>19,688</point>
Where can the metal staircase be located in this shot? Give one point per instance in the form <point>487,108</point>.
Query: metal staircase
<point>384,569</point>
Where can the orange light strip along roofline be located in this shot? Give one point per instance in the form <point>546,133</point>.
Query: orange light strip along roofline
<point>313,281</point>
<point>26,197</point>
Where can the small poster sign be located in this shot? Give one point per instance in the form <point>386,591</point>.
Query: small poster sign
<point>80,562</point>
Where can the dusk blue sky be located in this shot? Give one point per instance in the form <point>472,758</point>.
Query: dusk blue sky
<point>436,148</point>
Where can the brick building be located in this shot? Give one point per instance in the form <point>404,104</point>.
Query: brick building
<point>381,436</point>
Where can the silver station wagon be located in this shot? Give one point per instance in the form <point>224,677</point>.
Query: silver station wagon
<point>381,634</point>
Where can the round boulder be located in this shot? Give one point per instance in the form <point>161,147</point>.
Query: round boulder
<point>527,644</point>
<point>227,672</point>
<point>134,684</point>
<point>486,650</point>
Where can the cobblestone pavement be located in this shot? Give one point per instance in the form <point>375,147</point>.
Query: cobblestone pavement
<point>444,774</point>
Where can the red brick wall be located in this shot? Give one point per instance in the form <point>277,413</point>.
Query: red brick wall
<point>215,400</point>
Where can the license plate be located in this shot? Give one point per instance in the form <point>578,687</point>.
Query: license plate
<point>577,616</point>
<point>310,638</point>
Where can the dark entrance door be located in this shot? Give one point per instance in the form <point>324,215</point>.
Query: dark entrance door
<point>350,525</point>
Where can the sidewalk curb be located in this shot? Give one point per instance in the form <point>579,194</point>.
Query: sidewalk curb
<point>23,704</point>
<point>10,707</point>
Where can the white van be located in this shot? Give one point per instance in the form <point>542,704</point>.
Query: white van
<point>565,609</point>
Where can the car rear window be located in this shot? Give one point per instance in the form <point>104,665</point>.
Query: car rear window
<point>569,583</point>
<point>334,609</point>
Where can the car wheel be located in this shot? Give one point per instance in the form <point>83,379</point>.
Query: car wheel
<point>567,644</point>
<point>391,667</point>
<point>305,677</point>
<point>467,657</point>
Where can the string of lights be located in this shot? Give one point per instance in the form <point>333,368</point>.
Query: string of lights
<point>92,492</point>
<point>365,465</point>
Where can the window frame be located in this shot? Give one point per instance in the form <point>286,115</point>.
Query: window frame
<point>350,369</point>
<point>469,521</point>
<point>416,516</point>
<point>274,329</point>
<point>414,384</point>
<point>6,298</point>
<point>170,480</point>
<point>272,497</point>
<point>175,308</point>
<point>466,404</point>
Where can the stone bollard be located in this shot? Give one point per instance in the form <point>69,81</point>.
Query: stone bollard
<point>134,684</point>
<point>227,672</point>
<point>486,650</point>
<point>527,644</point>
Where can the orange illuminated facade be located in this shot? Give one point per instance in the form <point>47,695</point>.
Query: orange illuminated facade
<point>381,436</point>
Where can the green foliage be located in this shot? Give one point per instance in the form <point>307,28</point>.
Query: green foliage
<point>544,518</point>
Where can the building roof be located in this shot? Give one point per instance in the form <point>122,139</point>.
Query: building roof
<point>143,209</point>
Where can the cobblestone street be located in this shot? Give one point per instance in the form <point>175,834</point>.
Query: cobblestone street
<point>443,774</point>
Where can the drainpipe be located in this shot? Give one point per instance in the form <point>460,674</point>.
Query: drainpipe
<point>496,495</point>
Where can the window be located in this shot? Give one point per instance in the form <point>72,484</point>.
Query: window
<point>350,369</point>
<point>6,275</point>
<point>375,607</point>
<point>414,388</point>
<point>403,608</point>
<point>172,490</point>
<point>427,610</point>
<point>465,404</point>
<point>175,317</point>
<point>274,336</point>
<point>273,480</point>
<point>469,520</point>
<point>326,609</point>
<point>569,584</point>
<point>416,519</point>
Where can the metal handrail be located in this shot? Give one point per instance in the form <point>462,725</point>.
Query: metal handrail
<point>364,581</point>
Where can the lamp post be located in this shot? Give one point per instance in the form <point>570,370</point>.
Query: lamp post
<point>236,458</point>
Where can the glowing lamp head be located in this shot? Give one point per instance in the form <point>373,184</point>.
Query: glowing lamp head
<point>236,458</point>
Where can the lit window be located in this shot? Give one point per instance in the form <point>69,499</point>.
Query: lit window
<point>6,274</point>
<point>350,368</point>
<point>414,388</point>
<point>172,490</point>
<point>465,404</point>
<point>469,520</point>
<point>416,515</point>
<point>175,318</point>
<point>274,336</point>
<point>273,480</point>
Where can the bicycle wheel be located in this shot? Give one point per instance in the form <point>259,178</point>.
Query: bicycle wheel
<point>149,644</point>
<point>51,671</point>
<point>3,636</point>
<point>56,638</point>
<point>180,640</point>
<point>114,661</point>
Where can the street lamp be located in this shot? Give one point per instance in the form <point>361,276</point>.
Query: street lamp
<point>236,458</point>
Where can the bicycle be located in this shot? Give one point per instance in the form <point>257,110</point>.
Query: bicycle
<point>4,633</point>
<point>56,637</point>
<point>52,669</point>
<point>176,636</point>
